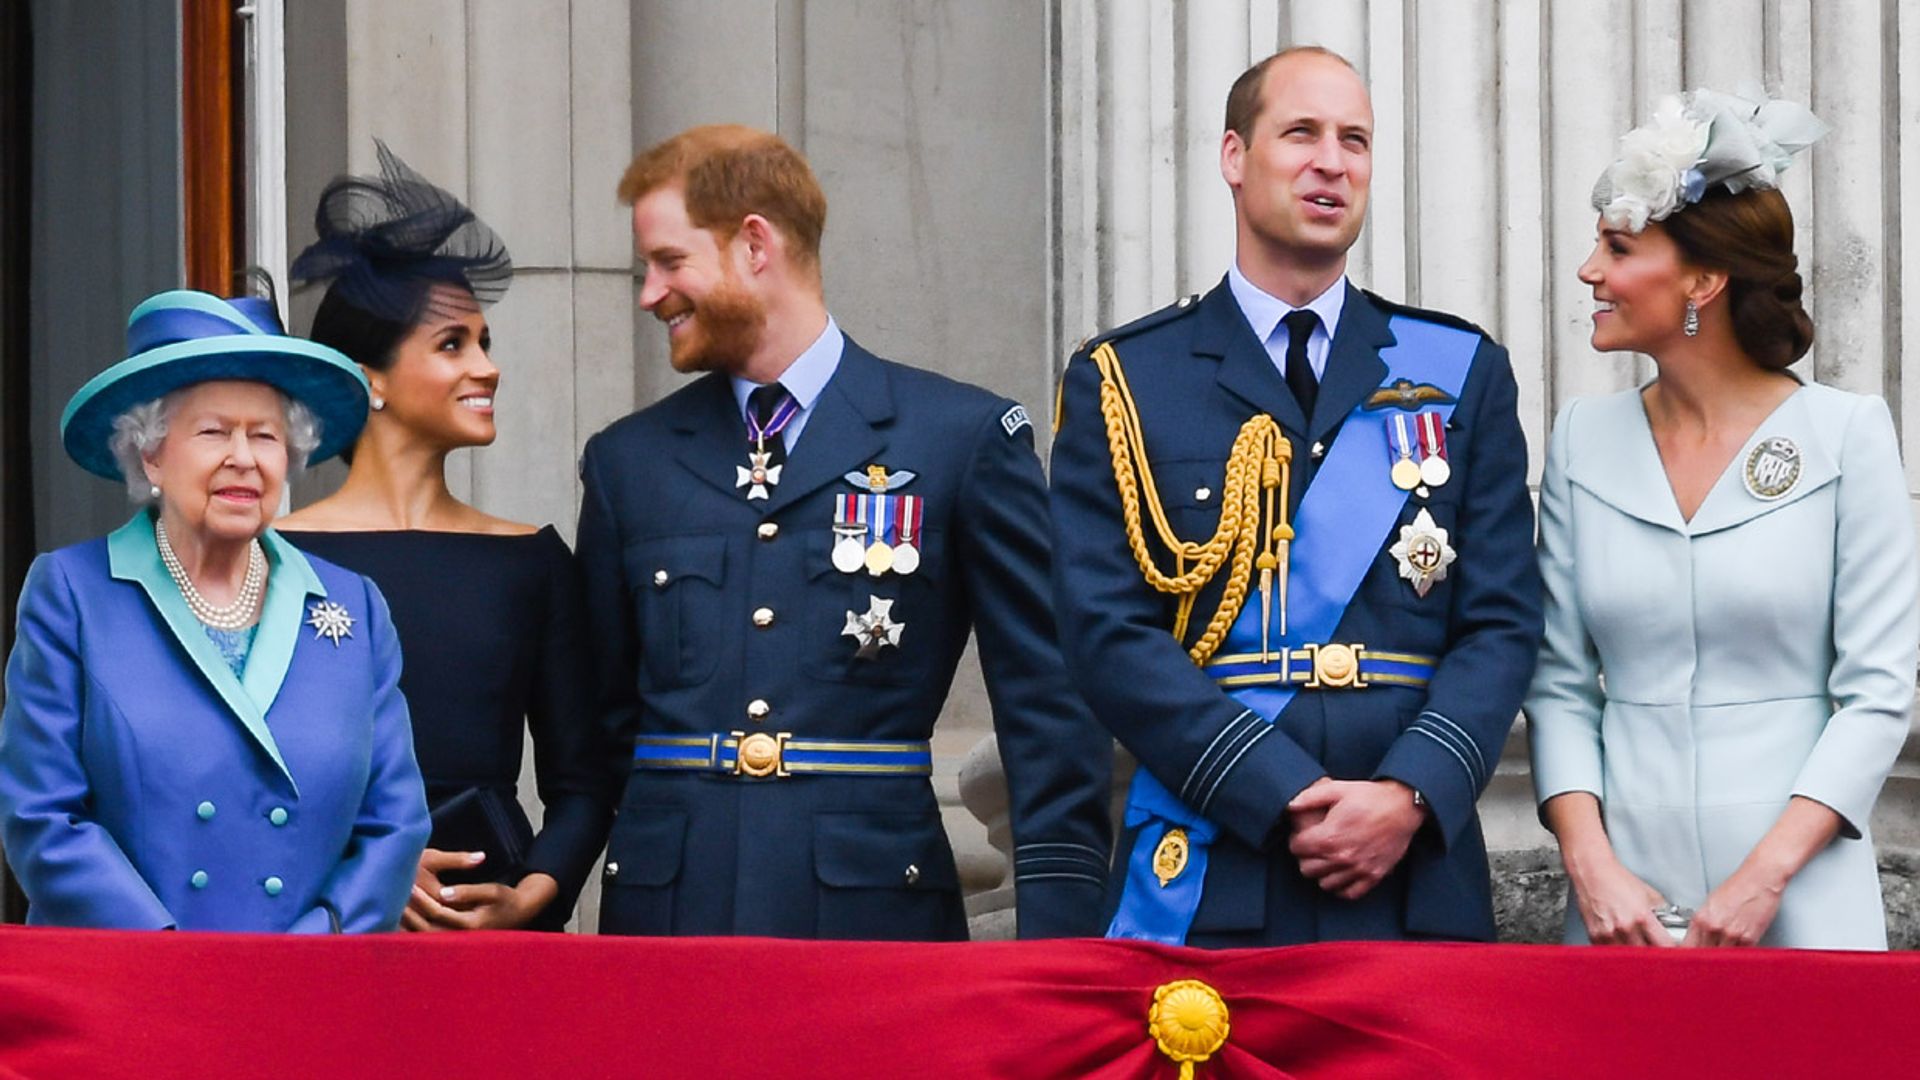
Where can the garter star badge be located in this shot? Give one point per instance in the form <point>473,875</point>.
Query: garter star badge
<point>1773,468</point>
<point>1422,552</point>
<point>329,620</point>
<point>873,629</point>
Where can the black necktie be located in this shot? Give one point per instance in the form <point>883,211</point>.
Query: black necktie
<point>1300,377</point>
<point>765,402</point>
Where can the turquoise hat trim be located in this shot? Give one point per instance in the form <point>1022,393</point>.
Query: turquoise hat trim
<point>321,378</point>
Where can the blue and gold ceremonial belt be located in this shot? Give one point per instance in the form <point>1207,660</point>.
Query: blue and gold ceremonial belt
<point>762,754</point>
<point>1332,666</point>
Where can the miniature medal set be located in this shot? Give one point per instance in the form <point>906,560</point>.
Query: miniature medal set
<point>1417,444</point>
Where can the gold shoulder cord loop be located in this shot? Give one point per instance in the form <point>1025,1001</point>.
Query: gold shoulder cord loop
<point>1259,469</point>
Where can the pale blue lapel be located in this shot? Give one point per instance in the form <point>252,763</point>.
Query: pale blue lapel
<point>1614,458</point>
<point>132,555</point>
<point>1730,503</point>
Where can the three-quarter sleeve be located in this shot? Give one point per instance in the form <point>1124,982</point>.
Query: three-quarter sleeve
<point>569,751</point>
<point>1876,627</point>
<point>1563,706</point>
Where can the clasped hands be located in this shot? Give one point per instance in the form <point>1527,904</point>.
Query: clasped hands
<point>1349,834</point>
<point>1618,908</point>
<point>486,906</point>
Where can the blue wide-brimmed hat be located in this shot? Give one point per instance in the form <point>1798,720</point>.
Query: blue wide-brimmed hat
<point>181,337</point>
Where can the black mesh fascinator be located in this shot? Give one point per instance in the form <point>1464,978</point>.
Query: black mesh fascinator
<point>386,241</point>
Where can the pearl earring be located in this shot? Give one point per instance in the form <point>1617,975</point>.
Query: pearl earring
<point>1691,327</point>
<point>379,403</point>
<point>154,491</point>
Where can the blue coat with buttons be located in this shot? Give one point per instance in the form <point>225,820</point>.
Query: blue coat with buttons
<point>678,562</point>
<point>144,785</point>
<point>1197,373</point>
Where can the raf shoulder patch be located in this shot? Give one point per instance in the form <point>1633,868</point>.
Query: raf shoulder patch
<point>1014,419</point>
<point>1409,395</point>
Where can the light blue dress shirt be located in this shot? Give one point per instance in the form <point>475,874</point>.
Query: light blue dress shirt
<point>1265,310</point>
<point>804,379</point>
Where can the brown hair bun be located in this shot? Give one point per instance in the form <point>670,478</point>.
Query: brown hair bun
<point>1749,237</point>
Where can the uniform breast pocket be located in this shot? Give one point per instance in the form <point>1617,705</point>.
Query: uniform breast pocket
<point>677,583</point>
<point>897,621</point>
<point>1417,551</point>
<point>1190,491</point>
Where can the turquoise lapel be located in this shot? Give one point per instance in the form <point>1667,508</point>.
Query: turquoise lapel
<point>133,556</point>
<point>290,582</point>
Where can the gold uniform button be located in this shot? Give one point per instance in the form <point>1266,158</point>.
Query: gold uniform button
<point>660,577</point>
<point>757,709</point>
<point>767,530</point>
<point>763,617</point>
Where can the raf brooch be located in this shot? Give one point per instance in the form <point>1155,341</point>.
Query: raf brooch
<point>1773,468</point>
<point>1422,552</point>
<point>329,620</point>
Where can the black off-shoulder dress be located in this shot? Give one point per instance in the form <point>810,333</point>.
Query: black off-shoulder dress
<point>493,642</point>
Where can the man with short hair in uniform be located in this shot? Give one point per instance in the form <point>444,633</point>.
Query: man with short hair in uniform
<point>784,561</point>
<point>1295,515</point>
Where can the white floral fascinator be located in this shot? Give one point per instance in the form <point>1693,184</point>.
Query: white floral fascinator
<point>1695,141</point>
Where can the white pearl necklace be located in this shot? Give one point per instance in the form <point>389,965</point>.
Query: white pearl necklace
<point>235,616</point>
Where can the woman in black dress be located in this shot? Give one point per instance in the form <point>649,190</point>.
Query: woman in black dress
<point>488,611</point>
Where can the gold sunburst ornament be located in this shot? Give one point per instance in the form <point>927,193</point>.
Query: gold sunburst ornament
<point>1188,1022</point>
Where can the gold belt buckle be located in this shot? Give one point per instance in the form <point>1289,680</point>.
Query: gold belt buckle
<point>1336,666</point>
<point>760,754</point>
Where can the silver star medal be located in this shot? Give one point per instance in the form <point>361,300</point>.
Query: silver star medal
<point>329,620</point>
<point>874,629</point>
<point>1422,552</point>
<point>760,477</point>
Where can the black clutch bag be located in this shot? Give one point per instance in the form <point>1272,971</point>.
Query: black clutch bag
<point>483,819</point>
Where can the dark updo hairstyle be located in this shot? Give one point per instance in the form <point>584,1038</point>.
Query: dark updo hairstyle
<point>1749,237</point>
<point>365,338</point>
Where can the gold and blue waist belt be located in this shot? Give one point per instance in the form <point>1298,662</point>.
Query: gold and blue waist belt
<point>764,754</point>
<point>1332,666</point>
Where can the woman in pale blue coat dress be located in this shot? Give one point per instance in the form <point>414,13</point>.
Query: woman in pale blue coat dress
<point>1729,558</point>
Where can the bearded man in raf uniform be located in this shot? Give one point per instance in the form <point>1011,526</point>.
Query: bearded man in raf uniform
<point>785,559</point>
<point>1295,515</point>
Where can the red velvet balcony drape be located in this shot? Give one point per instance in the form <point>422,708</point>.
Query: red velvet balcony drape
<point>85,1004</point>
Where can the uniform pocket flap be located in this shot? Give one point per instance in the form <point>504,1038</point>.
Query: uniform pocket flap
<point>660,563</point>
<point>882,851</point>
<point>645,846</point>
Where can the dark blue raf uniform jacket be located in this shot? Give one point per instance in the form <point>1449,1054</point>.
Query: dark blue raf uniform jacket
<point>1197,374</point>
<point>678,561</point>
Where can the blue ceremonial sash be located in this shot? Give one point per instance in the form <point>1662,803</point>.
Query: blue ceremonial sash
<point>1351,498</point>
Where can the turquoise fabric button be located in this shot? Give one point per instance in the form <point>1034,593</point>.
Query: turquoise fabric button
<point>274,885</point>
<point>199,879</point>
<point>205,810</point>
<point>278,815</point>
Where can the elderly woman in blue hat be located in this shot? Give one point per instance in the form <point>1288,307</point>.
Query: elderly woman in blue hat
<point>203,727</point>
